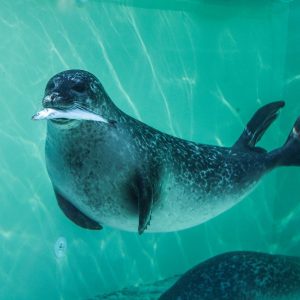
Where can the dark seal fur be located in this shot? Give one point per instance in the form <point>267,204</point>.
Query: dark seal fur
<point>240,275</point>
<point>130,176</point>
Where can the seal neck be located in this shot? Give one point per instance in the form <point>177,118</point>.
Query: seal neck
<point>109,111</point>
<point>66,125</point>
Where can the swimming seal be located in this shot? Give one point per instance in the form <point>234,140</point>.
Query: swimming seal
<point>240,275</point>
<point>132,177</point>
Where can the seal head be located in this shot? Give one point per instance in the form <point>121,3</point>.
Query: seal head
<point>73,89</point>
<point>76,89</point>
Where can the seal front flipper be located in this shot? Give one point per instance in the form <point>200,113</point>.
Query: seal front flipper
<point>145,202</point>
<point>74,214</point>
<point>257,126</point>
<point>142,193</point>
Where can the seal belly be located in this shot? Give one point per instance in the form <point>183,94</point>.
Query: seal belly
<point>96,182</point>
<point>194,192</point>
<point>182,209</point>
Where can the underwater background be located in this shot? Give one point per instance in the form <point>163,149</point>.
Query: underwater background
<point>196,69</point>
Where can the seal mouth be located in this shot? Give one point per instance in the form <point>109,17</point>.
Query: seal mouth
<point>61,121</point>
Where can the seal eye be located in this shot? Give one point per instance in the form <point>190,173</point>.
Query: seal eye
<point>78,87</point>
<point>50,86</point>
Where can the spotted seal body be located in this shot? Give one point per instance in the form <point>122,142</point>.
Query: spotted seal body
<point>132,177</point>
<point>240,275</point>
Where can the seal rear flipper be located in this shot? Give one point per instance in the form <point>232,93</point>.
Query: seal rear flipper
<point>257,126</point>
<point>289,153</point>
<point>75,215</point>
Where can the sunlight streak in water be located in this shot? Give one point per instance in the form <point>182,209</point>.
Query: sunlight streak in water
<point>153,71</point>
<point>293,79</point>
<point>220,96</point>
<point>52,46</point>
<point>93,28</point>
<point>6,234</point>
<point>219,142</point>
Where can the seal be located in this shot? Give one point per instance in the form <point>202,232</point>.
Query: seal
<point>240,275</point>
<point>126,174</point>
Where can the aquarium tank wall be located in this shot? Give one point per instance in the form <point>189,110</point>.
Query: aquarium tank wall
<point>195,69</point>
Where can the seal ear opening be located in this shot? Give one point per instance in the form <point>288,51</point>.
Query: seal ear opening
<point>113,123</point>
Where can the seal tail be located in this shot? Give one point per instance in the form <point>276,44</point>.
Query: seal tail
<point>257,126</point>
<point>289,153</point>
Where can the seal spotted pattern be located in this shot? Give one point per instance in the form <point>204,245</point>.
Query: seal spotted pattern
<point>128,175</point>
<point>240,275</point>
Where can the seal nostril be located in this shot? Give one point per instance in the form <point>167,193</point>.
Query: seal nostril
<point>53,96</point>
<point>50,100</point>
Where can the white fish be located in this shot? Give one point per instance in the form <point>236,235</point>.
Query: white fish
<point>74,114</point>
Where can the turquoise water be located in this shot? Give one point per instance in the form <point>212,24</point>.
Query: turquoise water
<point>194,69</point>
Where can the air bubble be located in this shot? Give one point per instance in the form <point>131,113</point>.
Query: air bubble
<point>60,247</point>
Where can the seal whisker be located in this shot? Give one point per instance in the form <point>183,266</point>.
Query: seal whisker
<point>77,105</point>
